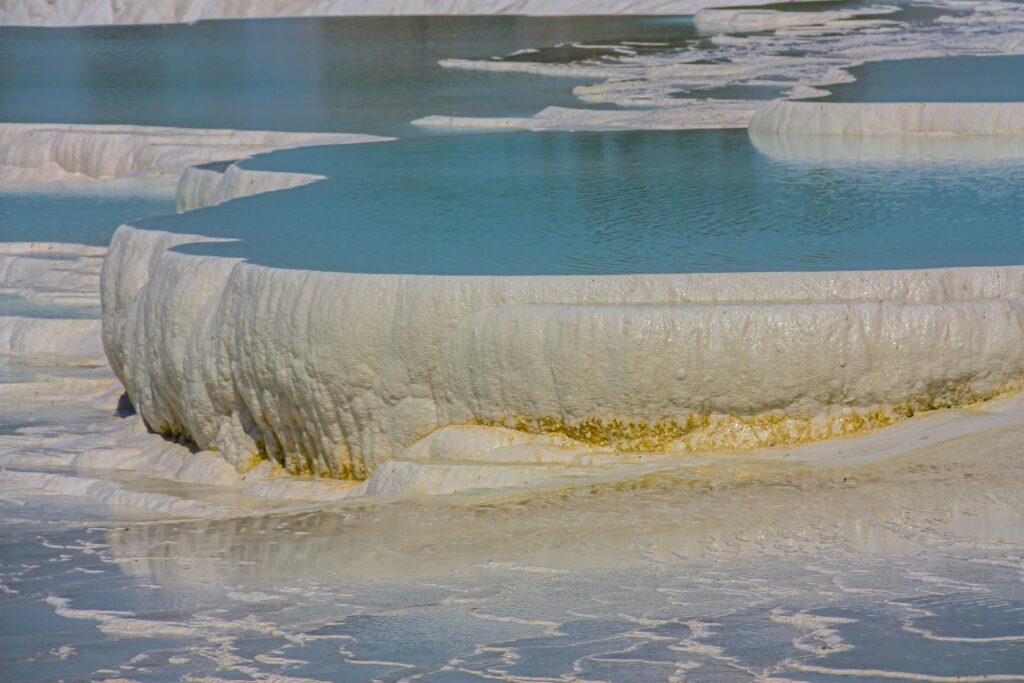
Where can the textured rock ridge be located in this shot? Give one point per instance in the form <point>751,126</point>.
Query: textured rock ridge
<point>31,153</point>
<point>335,373</point>
<point>199,187</point>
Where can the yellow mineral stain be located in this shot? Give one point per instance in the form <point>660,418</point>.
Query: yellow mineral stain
<point>703,432</point>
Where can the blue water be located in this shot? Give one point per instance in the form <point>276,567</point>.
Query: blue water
<point>354,74</point>
<point>939,79</point>
<point>595,203</point>
<point>83,218</point>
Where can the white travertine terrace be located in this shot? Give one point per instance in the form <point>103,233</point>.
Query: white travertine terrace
<point>34,153</point>
<point>100,12</point>
<point>902,149</point>
<point>345,375</point>
<point>41,336</point>
<point>925,119</point>
<point>30,271</point>
<point>61,380</point>
<point>335,373</point>
<point>51,274</point>
<point>199,187</point>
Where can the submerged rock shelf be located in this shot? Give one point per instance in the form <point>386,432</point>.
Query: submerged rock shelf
<point>35,153</point>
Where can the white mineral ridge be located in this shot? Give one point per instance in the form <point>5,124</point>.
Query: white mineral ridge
<point>98,12</point>
<point>717,114</point>
<point>65,398</point>
<point>34,153</point>
<point>334,373</point>
<point>199,187</point>
<point>932,119</point>
<point>799,53</point>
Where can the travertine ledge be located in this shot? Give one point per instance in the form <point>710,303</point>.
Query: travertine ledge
<point>335,373</point>
<point>100,12</point>
<point>200,187</point>
<point>44,152</point>
<point>932,119</point>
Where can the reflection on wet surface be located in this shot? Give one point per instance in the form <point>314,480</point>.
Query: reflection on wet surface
<point>894,570</point>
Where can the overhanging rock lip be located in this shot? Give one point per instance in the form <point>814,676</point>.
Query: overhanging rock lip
<point>333,373</point>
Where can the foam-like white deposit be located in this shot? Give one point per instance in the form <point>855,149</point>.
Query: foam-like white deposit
<point>246,359</point>
<point>94,12</point>
<point>797,54</point>
<point>927,119</point>
<point>33,153</point>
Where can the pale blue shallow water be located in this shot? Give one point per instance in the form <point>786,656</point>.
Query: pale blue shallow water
<point>598,203</point>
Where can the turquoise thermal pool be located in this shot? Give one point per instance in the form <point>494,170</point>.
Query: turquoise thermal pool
<point>602,203</point>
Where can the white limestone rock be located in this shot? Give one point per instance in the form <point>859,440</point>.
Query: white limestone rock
<point>199,187</point>
<point>713,114</point>
<point>33,153</point>
<point>335,373</point>
<point>733,20</point>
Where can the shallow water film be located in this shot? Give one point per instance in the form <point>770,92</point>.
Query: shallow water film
<point>907,571</point>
